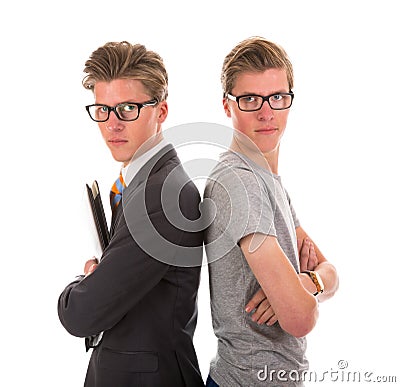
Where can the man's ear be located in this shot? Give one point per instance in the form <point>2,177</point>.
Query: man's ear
<point>163,111</point>
<point>227,108</point>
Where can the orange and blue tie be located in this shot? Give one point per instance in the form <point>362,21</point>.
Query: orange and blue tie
<point>116,192</point>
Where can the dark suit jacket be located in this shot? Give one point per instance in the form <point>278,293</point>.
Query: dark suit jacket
<point>145,304</point>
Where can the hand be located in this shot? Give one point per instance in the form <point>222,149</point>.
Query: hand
<point>308,256</point>
<point>263,312</point>
<point>90,266</point>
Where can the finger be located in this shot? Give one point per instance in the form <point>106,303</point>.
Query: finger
<point>92,269</point>
<point>89,263</point>
<point>261,310</point>
<point>266,316</point>
<point>313,259</point>
<point>87,266</point>
<point>255,300</point>
<point>272,320</point>
<point>304,255</point>
<point>303,263</point>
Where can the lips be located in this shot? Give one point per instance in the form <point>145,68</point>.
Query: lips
<point>266,130</point>
<point>117,141</point>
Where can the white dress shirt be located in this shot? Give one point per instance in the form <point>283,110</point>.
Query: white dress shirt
<point>130,171</point>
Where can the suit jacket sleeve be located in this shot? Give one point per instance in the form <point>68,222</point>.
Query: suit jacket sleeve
<point>125,274</point>
<point>123,277</point>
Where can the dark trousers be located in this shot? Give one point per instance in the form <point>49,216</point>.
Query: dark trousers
<point>210,382</point>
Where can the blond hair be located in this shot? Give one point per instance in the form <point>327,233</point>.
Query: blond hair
<point>255,54</point>
<point>122,60</point>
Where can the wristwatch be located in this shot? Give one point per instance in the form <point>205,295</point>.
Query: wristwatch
<point>316,279</point>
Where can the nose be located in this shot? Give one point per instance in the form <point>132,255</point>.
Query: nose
<point>113,124</point>
<point>265,113</point>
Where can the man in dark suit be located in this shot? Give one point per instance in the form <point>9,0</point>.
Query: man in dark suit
<point>137,305</point>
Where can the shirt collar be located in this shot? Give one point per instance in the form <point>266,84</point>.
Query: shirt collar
<point>136,164</point>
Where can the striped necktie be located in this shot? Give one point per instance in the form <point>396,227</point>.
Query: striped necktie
<point>116,192</point>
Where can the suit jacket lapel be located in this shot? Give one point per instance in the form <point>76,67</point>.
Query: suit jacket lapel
<point>152,166</point>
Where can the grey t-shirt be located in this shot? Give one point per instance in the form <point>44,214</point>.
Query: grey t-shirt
<point>248,199</point>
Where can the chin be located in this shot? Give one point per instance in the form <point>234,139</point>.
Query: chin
<point>121,158</point>
<point>263,148</point>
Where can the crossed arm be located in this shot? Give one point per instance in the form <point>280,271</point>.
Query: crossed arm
<point>286,296</point>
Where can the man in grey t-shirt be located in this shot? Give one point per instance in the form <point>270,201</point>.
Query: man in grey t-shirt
<point>255,243</point>
<point>249,199</point>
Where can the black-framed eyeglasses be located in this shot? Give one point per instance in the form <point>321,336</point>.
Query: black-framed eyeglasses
<point>125,111</point>
<point>254,102</point>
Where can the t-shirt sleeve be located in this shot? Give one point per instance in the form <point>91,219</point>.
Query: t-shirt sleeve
<point>242,205</point>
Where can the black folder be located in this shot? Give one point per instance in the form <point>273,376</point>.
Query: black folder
<point>99,217</point>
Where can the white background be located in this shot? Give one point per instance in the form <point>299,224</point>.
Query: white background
<point>339,160</point>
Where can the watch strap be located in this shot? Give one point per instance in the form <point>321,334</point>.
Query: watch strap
<point>316,279</point>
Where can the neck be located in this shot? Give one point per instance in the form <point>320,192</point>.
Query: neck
<point>148,144</point>
<point>243,145</point>
<point>272,160</point>
<point>145,147</point>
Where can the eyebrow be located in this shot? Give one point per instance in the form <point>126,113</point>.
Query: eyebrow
<point>254,93</point>
<point>119,103</point>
